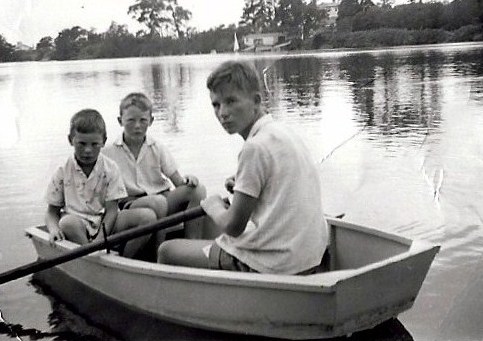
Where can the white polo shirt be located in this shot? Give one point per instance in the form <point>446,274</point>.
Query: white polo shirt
<point>149,172</point>
<point>84,196</point>
<point>287,231</point>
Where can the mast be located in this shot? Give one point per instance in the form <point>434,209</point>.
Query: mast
<point>236,46</point>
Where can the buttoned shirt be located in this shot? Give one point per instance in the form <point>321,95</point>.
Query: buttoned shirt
<point>149,172</point>
<point>85,196</point>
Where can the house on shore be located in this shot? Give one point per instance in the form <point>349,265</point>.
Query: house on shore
<point>22,47</point>
<point>263,42</point>
<point>332,9</point>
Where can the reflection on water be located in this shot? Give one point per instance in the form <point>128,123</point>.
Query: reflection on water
<point>397,133</point>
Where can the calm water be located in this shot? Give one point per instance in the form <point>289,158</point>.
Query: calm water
<point>397,134</point>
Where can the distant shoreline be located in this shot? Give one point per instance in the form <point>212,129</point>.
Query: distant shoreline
<point>295,52</point>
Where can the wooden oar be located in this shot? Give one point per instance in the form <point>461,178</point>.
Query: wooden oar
<point>110,241</point>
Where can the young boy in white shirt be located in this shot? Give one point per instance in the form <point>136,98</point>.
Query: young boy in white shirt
<point>275,223</point>
<point>148,168</point>
<point>83,193</point>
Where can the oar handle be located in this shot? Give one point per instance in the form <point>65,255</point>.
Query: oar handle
<point>110,241</point>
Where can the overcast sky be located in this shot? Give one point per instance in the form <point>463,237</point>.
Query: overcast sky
<point>30,20</point>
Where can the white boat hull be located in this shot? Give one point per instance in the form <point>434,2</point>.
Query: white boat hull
<point>374,280</point>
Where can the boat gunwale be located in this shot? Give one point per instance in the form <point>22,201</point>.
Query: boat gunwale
<point>320,282</point>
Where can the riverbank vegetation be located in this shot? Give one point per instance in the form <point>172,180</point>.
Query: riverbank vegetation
<point>366,25</point>
<point>360,23</point>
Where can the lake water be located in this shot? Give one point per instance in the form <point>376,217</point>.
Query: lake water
<point>397,134</point>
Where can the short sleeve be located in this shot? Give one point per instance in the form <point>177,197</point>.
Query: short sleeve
<point>167,163</point>
<point>253,169</point>
<point>115,186</point>
<point>55,189</point>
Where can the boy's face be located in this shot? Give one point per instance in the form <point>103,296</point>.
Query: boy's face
<point>236,110</point>
<point>135,122</point>
<point>87,147</point>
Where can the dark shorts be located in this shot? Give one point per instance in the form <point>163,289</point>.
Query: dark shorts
<point>219,259</point>
<point>125,203</point>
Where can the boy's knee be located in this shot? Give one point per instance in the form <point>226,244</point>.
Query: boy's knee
<point>147,216</point>
<point>73,229</point>
<point>156,203</point>
<point>160,205</point>
<point>198,193</point>
<point>165,252</point>
<point>69,222</point>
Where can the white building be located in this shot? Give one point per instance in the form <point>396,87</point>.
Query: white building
<point>259,42</point>
<point>332,9</point>
<point>22,47</point>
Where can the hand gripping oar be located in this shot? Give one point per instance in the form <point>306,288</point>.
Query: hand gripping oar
<point>110,241</point>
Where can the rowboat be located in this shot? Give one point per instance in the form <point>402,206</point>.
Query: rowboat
<point>373,276</point>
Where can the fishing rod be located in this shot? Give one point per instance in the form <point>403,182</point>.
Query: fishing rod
<point>328,155</point>
<point>435,181</point>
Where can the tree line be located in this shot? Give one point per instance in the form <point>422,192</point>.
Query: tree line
<point>360,23</point>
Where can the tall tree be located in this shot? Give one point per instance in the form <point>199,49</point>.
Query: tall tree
<point>348,9</point>
<point>313,18</point>
<point>45,43</point>
<point>45,48</point>
<point>69,43</point>
<point>117,42</point>
<point>289,16</point>
<point>7,50</point>
<point>161,17</point>
<point>180,17</point>
<point>150,13</point>
<point>299,19</point>
<point>258,15</point>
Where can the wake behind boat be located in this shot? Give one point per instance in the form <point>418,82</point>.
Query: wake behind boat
<point>374,276</point>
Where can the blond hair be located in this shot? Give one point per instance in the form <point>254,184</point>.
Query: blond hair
<point>137,99</point>
<point>87,121</point>
<point>242,75</point>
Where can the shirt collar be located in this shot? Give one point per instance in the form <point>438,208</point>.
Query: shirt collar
<point>262,121</point>
<point>120,142</point>
<point>100,159</point>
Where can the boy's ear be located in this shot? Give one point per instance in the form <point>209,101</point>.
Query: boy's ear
<point>151,120</point>
<point>69,137</point>
<point>119,120</point>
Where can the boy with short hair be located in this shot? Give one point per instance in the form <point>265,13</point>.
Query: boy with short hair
<point>275,223</point>
<point>149,169</point>
<point>84,192</point>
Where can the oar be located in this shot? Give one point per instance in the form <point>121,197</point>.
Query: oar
<point>110,241</point>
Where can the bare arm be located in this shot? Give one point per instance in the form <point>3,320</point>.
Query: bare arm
<point>231,219</point>
<point>52,217</point>
<point>110,216</point>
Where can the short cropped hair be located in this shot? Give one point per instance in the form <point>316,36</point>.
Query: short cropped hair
<point>87,121</point>
<point>242,75</point>
<point>137,99</point>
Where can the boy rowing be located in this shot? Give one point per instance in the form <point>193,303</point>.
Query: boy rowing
<point>275,223</point>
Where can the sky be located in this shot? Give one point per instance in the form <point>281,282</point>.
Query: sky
<point>30,20</point>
